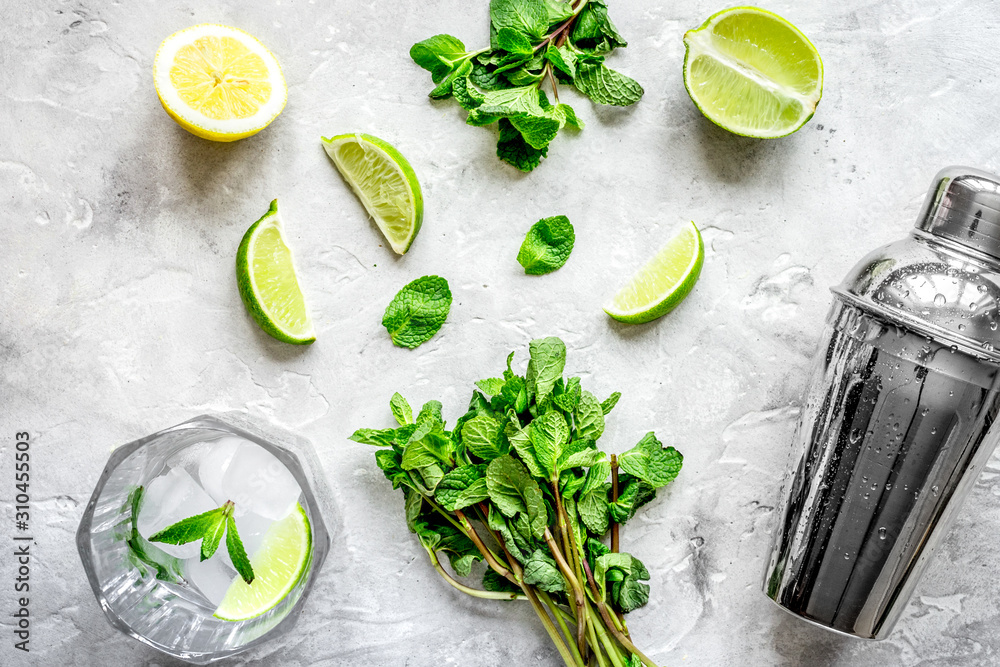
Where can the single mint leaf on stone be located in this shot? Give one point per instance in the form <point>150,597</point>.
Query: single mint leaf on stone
<point>190,529</point>
<point>400,409</point>
<point>527,16</point>
<point>374,436</point>
<point>515,151</point>
<point>237,554</point>
<point>417,312</point>
<point>538,131</point>
<point>438,55</point>
<point>606,86</point>
<point>514,41</point>
<point>541,571</point>
<point>547,245</point>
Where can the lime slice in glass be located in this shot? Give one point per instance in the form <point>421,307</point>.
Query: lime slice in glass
<point>663,282</point>
<point>279,563</point>
<point>753,73</point>
<point>265,274</point>
<point>384,182</point>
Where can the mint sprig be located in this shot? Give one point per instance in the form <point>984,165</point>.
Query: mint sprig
<point>209,527</point>
<point>533,43</point>
<point>521,483</point>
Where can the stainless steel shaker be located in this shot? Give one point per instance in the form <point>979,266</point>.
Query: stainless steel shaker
<point>899,417</point>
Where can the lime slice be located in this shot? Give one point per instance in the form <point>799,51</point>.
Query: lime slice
<point>663,282</point>
<point>753,73</point>
<point>265,274</point>
<point>384,182</point>
<point>279,563</point>
<point>218,82</point>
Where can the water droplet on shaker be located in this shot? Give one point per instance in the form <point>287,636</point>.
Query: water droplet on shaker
<point>940,300</point>
<point>961,327</point>
<point>934,489</point>
<point>923,413</point>
<point>881,533</point>
<point>982,289</point>
<point>993,326</point>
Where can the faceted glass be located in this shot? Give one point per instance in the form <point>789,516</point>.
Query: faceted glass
<point>152,596</point>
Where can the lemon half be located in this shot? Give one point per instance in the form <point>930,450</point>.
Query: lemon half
<point>219,83</point>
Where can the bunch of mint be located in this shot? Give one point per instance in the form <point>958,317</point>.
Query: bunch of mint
<point>531,42</point>
<point>520,483</point>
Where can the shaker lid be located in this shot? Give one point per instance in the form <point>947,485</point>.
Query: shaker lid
<point>963,205</point>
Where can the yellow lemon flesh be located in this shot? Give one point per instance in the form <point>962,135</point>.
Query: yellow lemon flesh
<point>218,82</point>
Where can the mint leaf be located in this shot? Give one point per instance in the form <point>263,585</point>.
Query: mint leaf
<point>589,417</point>
<point>548,358</point>
<point>566,116</point>
<point>558,10</point>
<point>513,491</point>
<point>438,55</point>
<point>143,554</point>
<point>593,504</point>
<point>513,102</point>
<point>633,494</point>
<point>237,553</point>
<point>606,86</point>
<point>432,448</point>
<point>526,16</point>
<point>374,436</point>
<point>445,89</point>
<point>467,95</point>
<point>462,487</point>
<point>520,440</point>
<point>482,437</point>
<point>562,59</point>
<point>541,571</point>
<point>549,433</point>
<point>491,386</point>
<point>547,245</point>
<point>570,397</point>
<point>400,409</point>
<point>417,312</point>
<point>514,41</point>
<point>413,505</point>
<point>594,31</point>
<point>651,462</point>
<point>213,535</point>
<point>514,150</point>
<point>190,529</point>
<point>494,582</point>
<point>537,131</point>
<point>630,593</point>
<point>609,404</point>
<point>584,458</point>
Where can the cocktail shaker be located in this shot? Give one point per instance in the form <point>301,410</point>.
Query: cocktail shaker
<point>899,417</point>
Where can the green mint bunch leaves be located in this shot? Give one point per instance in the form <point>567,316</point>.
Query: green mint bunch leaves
<point>520,482</point>
<point>532,43</point>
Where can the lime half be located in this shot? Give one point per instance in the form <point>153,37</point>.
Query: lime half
<point>663,282</point>
<point>265,274</point>
<point>282,559</point>
<point>384,182</point>
<point>753,73</point>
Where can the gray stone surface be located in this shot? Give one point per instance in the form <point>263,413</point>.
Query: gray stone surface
<point>120,313</point>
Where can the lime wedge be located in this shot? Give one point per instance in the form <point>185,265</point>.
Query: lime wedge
<point>663,282</point>
<point>265,274</point>
<point>384,182</point>
<point>279,563</point>
<point>753,73</point>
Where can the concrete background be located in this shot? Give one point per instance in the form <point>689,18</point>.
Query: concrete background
<point>120,314</point>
